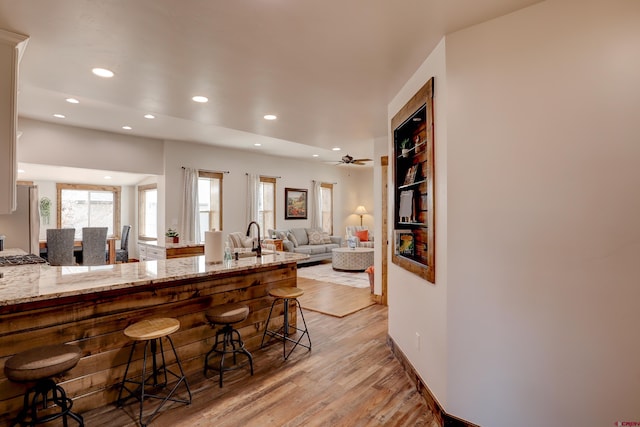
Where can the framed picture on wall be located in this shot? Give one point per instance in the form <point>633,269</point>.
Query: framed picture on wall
<point>295,200</point>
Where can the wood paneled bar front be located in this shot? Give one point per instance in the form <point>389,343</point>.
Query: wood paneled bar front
<point>91,307</point>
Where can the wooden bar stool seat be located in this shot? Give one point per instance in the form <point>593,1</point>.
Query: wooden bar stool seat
<point>39,365</point>
<point>286,294</point>
<point>151,332</point>
<point>228,340</point>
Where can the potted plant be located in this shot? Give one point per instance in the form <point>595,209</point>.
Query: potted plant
<point>405,146</point>
<point>172,236</point>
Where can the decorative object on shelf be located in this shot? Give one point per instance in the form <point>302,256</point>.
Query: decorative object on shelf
<point>413,184</point>
<point>405,147</point>
<point>360,210</point>
<point>295,203</point>
<point>45,210</point>
<point>172,236</point>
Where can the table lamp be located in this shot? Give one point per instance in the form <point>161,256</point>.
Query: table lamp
<point>360,210</point>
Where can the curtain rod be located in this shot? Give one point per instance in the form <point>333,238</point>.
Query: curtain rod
<point>184,167</point>
<point>333,183</point>
<point>266,176</point>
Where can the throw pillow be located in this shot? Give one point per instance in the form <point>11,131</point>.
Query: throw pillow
<point>293,239</point>
<point>315,236</point>
<point>363,235</point>
<point>325,237</point>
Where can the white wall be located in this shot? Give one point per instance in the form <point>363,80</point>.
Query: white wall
<point>416,306</point>
<point>544,208</point>
<point>52,144</point>
<point>353,186</point>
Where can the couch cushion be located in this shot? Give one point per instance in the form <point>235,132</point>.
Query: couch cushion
<point>315,236</point>
<point>311,249</point>
<point>325,237</point>
<point>301,236</point>
<point>293,239</point>
<point>287,245</point>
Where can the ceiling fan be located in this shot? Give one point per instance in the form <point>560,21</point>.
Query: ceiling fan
<point>349,160</point>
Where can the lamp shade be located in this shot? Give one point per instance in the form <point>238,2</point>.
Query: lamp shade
<point>360,210</point>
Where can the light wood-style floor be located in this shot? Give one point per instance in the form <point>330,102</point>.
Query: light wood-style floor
<point>330,298</point>
<point>349,378</point>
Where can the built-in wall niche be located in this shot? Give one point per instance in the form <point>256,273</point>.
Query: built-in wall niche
<point>413,145</point>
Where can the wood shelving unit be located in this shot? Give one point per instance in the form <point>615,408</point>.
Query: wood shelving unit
<point>414,243</point>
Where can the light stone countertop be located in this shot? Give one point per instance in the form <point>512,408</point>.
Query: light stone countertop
<point>40,282</point>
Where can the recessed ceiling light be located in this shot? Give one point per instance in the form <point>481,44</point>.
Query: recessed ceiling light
<point>149,116</point>
<point>336,148</point>
<point>60,116</point>
<point>257,144</point>
<point>127,127</point>
<point>270,117</point>
<point>316,155</point>
<point>72,101</point>
<point>102,72</point>
<point>200,99</point>
<point>107,177</point>
<point>20,170</point>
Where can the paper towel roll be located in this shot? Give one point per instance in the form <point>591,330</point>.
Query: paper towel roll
<point>213,246</point>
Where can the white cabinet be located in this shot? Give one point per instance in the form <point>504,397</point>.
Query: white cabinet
<point>149,252</point>
<point>11,48</point>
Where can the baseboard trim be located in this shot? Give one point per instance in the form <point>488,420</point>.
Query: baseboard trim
<point>443,419</point>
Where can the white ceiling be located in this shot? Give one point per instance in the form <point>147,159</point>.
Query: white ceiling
<point>326,68</point>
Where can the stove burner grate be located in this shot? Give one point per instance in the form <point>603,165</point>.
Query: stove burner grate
<point>10,260</point>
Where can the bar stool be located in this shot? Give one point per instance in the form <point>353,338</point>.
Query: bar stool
<point>151,331</point>
<point>227,315</point>
<point>40,365</point>
<point>286,294</point>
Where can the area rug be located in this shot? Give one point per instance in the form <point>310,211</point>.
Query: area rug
<point>334,300</point>
<point>325,272</point>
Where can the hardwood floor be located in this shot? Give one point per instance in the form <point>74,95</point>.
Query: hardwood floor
<point>349,378</point>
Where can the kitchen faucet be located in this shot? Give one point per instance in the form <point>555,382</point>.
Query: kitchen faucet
<point>257,250</point>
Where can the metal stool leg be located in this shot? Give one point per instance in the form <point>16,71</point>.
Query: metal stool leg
<point>151,379</point>
<point>40,392</point>
<point>237,346</point>
<point>283,333</point>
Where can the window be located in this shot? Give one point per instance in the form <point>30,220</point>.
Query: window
<point>326,195</point>
<point>267,204</point>
<point>148,212</point>
<point>210,201</point>
<point>81,205</point>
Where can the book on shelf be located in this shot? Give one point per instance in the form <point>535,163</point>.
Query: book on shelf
<point>404,243</point>
<point>410,177</point>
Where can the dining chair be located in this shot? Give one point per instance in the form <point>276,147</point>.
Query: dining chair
<point>122,254</point>
<point>60,246</point>
<point>94,241</point>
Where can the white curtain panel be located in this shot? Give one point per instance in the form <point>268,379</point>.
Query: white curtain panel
<point>253,191</point>
<point>189,211</point>
<point>316,205</point>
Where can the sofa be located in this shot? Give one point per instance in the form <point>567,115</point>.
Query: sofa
<point>309,241</point>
